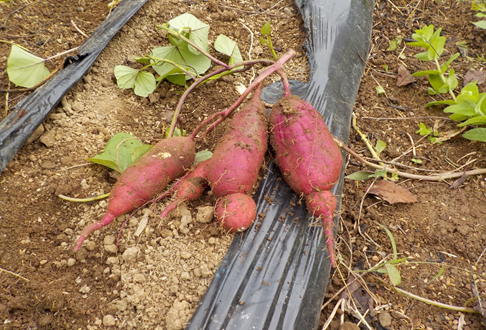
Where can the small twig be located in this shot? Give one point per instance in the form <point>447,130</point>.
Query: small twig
<point>77,29</point>
<point>14,274</point>
<point>334,311</point>
<point>249,51</point>
<point>84,200</point>
<point>365,139</point>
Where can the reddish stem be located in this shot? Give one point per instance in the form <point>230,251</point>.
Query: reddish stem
<point>225,113</point>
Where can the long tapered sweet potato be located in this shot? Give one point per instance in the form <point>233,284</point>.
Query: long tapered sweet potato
<point>237,158</point>
<point>145,178</point>
<point>308,157</point>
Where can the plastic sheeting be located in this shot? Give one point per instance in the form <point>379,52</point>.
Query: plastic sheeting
<point>29,113</point>
<point>275,275</point>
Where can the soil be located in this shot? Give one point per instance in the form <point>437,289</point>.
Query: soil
<point>157,274</point>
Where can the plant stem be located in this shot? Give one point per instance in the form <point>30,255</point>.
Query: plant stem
<point>199,49</point>
<point>444,80</point>
<point>84,200</point>
<point>436,303</point>
<point>189,73</point>
<point>178,109</point>
<point>223,114</point>
<point>438,177</point>
<point>366,141</point>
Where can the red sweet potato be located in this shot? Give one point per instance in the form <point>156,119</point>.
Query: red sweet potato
<point>235,212</point>
<point>145,178</point>
<point>308,157</point>
<point>239,154</point>
<point>189,187</point>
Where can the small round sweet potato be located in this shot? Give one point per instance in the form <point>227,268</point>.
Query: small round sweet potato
<point>235,212</point>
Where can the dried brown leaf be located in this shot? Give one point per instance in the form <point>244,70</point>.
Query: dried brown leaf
<point>404,76</point>
<point>392,193</point>
<point>471,75</point>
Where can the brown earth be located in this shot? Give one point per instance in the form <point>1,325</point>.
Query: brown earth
<point>155,280</point>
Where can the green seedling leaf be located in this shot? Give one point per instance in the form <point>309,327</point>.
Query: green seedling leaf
<point>197,30</point>
<point>179,54</point>
<point>447,102</point>
<point>395,43</point>
<point>225,45</point>
<point>425,73</point>
<point>378,173</point>
<point>417,161</point>
<point>385,67</point>
<point>142,82</point>
<point>380,90</point>
<point>203,155</point>
<point>380,146</point>
<point>480,24</point>
<point>360,176</point>
<point>118,152</point>
<point>266,29</point>
<point>393,274</point>
<point>430,40</point>
<point>24,69</point>
<point>476,134</point>
<point>445,66</point>
<point>423,130</point>
<point>392,240</point>
<point>177,132</point>
<point>441,271</point>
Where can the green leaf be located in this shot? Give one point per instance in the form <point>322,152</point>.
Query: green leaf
<point>480,24</point>
<point>448,102</point>
<point>395,43</point>
<point>24,69</point>
<point>392,240</point>
<point>476,134</point>
<point>198,63</point>
<point>225,45</point>
<point>266,28</point>
<point>118,152</point>
<point>423,130</point>
<point>203,155</point>
<point>425,73</point>
<point>393,274</point>
<point>140,151</point>
<point>445,66</point>
<point>359,176</point>
<point>479,120</point>
<point>177,132</point>
<point>142,82</point>
<point>380,90</point>
<point>198,31</point>
<point>380,146</point>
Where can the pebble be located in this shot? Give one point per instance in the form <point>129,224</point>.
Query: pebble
<point>85,289</point>
<point>186,276</point>
<point>385,319</point>
<point>112,261</point>
<point>71,262</point>
<point>186,255</point>
<point>109,320</point>
<point>130,253</point>
<point>111,248</point>
<point>205,214</point>
<point>90,245</point>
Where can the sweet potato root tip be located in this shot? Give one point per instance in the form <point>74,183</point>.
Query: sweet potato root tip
<point>235,212</point>
<point>322,204</point>
<point>106,220</point>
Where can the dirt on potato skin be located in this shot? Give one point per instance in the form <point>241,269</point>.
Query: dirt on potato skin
<point>156,280</point>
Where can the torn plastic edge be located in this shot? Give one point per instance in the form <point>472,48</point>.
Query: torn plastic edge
<point>31,111</point>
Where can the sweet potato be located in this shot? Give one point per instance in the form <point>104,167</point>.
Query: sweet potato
<point>308,157</point>
<point>239,154</point>
<point>145,178</point>
<point>189,187</point>
<point>235,212</point>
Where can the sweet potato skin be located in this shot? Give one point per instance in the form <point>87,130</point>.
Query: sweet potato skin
<point>235,212</point>
<point>239,154</point>
<point>305,150</point>
<point>322,204</point>
<point>145,178</point>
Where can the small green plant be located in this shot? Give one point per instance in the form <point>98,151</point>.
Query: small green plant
<point>424,131</point>
<point>187,57</point>
<point>265,38</point>
<point>469,106</point>
<point>480,7</point>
